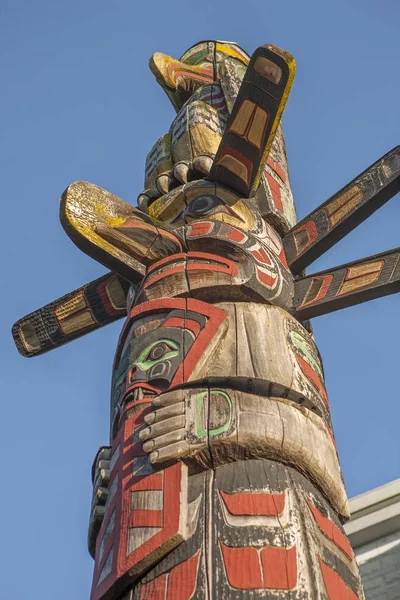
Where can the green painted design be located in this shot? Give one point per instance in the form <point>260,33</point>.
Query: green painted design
<point>196,58</point>
<point>144,361</point>
<point>302,344</point>
<point>201,432</point>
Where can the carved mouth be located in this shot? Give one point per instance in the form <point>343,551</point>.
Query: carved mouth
<point>138,393</point>
<point>135,396</point>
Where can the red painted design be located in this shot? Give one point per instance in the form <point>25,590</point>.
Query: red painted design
<point>261,255</point>
<point>254,503</point>
<point>178,584</point>
<point>242,566</point>
<point>326,281</point>
<point>336,588</point>
<point>239,157</point>
<point>215,316</point>
<point>199,228</point>
<point>146,518</point>
<point>282,258</point>
<point>143,384</point>
<point>266,568</point>
<point>151,482</point>
<point>277,168</point>
<point>151,280</point>
<point>313,377</point>
<point>165,261</point>
<point>236,235</point>
<point>128,482</point>
<point>198,72</point>
<point>311,231</point>
<point>331,531</point>
<point>274,242</point>
<point>154,590</point>
<point>266,278</point>
<point>279,567</point>
<point>219,263</point>
<point>182,579</point>
<point>191,262</point>
<point>275,191</point>
<point>102,290</point>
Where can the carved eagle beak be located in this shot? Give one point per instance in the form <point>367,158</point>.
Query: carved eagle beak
<point>180,80</point>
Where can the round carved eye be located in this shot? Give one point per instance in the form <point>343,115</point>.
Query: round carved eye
<point>158,351</point>
<point>201,205</point>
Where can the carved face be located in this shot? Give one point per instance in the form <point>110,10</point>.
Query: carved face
<point>202,64</point>
<point>158,349</point>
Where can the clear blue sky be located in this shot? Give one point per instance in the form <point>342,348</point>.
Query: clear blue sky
<point>78,102</point>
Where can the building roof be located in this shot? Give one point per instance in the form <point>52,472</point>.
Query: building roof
<point>374,514</point>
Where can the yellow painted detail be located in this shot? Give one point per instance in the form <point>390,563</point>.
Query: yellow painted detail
<point>292,71</point>
<point>257,128</point>
<point>341,206</point>
<point>231,52</point>
<point>71,306</point>
<point>242,118</point>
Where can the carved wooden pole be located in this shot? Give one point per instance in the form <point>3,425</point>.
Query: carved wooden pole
<point>222,478</point>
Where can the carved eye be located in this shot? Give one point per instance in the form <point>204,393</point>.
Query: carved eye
<point>158,351</point>
<point>201,205</point>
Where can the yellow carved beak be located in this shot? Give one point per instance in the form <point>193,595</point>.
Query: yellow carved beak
<point>178,79</point>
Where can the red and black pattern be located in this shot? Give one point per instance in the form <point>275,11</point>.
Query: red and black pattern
<point>280,539</point>
<point>339,215</point>
<point>347,285</point>
<point>86,309</point>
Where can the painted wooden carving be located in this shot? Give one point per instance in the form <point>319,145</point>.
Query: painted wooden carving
<point>222,478</point>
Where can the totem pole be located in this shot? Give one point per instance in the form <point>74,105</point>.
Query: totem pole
<point>222,478</point>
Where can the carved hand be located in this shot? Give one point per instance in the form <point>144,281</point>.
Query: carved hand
<point>182,172</point>
<point>100,478</point>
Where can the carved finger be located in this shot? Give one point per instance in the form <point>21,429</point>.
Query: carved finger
<point>100,496</point>
<point>165,413</point>
<point>183,172</point>
<point>146,199</point>
<point>166,182</point>
<point>174,451</point>
<point>168,398</point>
<point>102,478</point>
<point>162,427</point>
<point>164,440</point>
<point>202,164</point>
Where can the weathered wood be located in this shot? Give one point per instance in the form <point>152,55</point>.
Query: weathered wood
<point>112,231</point>
<point>86,309</point>
<point>222,478</point>
<point>343,212</point>
<point>255,116</point>
<point>347,285</point>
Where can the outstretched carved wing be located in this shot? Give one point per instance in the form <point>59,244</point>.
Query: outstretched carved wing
<point>82,311</point>
<point>358,281</point>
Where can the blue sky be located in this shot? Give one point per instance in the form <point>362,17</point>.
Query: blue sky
<point>79,102</point>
